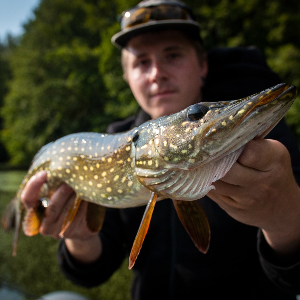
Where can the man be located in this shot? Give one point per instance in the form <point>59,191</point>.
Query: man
<point>254,210</point>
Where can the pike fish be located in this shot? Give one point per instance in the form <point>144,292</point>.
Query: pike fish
<point>177,157</point>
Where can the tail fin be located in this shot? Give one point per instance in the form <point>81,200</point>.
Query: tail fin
<point>12,219</point>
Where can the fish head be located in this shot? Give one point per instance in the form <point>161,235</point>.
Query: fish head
<point>208,130</point>
<point>229,125</point>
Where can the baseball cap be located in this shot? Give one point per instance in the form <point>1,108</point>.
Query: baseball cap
<point>155,14</point>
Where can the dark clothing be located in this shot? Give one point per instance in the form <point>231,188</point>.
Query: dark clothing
<point>239,263</point>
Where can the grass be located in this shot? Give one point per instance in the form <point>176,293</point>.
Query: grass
<point>35,271</point>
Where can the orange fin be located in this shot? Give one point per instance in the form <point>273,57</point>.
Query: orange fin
<point>33,220</point>
<point>70,216</point>
<point>143,229</point>
<point>194,220</point>
<point>95,216</point>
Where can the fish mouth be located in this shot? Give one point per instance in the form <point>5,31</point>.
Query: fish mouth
<point>280,93</point>
<point>284,91</point>
<point>271,96</point>
<point>274,93</point>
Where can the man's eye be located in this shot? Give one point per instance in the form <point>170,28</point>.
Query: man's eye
<point>174,55</point>
<point>142,62</point>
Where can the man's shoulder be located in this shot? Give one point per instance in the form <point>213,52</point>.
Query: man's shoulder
<point>227,56</point>
<point>128,123</point>
<point>237,72</point>
<point>121,125</point>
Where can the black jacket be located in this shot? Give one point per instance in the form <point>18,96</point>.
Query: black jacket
<point>239,263</point>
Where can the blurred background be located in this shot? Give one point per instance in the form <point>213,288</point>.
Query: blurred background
<point>59,74</point>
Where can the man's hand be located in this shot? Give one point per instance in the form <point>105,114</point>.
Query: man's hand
<point>79,240</point>
<point>260,190</point>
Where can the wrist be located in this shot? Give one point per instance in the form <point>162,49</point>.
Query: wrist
<point>85,251</point>
<point>284,237</point>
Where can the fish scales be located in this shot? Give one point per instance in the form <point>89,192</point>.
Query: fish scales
<point>99,167</point>
<point>177,157</point>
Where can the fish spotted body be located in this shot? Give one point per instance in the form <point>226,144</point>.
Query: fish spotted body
<point>177,156</point>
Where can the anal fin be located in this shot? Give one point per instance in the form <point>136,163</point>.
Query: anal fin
<point>143,229</point>
<point>194,220</point>
<point>95,216</point>
<point>70,216</point>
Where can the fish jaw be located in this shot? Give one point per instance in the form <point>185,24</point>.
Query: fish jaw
<point>249,118</point>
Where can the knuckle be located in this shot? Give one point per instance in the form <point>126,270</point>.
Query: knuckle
<point>44,230</point>
<point>48,230</point>
<point>52,212</point>
<point>249,155</point>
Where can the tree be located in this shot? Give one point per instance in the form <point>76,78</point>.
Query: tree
<point>5,75</point>
<point>56,87</point>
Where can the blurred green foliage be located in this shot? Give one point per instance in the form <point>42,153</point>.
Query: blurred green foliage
<point>63,75</point>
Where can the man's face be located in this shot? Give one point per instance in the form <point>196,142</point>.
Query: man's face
<point>164,72</point>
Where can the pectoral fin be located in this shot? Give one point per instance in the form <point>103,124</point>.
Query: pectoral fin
<point>95,217</point>
<point>194,220</point>
<point>143,229</point>
<point>70,216</point>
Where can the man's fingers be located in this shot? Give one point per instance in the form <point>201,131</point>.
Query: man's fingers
<point>59,204</point>
<point>238,176</point>
<point>30,194</point>
<point>259,158</point>
<point>260,154</point>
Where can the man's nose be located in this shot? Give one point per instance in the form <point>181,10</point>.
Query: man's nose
<point>158,71</point>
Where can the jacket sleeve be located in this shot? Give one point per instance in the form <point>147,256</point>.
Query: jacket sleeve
<point>112,256</point>
<point>285,273</point>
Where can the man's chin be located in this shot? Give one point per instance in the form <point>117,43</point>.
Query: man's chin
<point>164,112</point>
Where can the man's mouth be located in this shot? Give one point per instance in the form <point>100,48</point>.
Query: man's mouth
<point>162,93</point>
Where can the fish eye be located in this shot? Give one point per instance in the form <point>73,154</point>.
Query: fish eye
<point>196,112</point>
<point>135,136</point>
